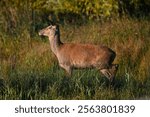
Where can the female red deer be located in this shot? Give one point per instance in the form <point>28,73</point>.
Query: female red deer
<point>71,55</point>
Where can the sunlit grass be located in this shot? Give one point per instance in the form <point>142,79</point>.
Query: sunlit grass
<point>29,70</point>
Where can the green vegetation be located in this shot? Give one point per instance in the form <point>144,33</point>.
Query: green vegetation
<point>29,70</point>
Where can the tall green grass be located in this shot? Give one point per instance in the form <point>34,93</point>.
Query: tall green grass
<point>29,70</point>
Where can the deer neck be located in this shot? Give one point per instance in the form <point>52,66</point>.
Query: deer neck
<point>55,43</point>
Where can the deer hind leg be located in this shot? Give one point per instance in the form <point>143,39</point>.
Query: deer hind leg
<point>113,69</point>
<point>106,73</point>
<point>67,69</point>
<point>110,72</point>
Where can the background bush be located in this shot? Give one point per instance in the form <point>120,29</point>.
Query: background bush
<point>29,15</point>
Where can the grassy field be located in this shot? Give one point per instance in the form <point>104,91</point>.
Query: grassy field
<point>29,70</point>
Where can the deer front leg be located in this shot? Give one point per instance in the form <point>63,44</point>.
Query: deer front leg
<point>67,68</point>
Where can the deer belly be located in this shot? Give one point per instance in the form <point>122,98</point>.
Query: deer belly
<point>82,64</point>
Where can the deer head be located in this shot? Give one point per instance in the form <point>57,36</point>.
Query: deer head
<point>49,31</point>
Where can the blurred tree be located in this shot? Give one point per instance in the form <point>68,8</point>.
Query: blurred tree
<point>32,14</point>
<point>134,7</point>
<point>89,8</point>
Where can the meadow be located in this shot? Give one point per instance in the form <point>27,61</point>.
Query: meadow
<point>30,71</point>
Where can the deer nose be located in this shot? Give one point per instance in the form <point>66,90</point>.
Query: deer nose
<point>40,33</point>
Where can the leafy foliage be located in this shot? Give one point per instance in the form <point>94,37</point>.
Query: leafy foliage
<point>134,7</point>
<point>83,8</point>
<point>29,71</point>
<point>30,15</point>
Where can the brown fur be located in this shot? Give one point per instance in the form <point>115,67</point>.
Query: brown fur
<point>71,55</point>
<point>86,55</point>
